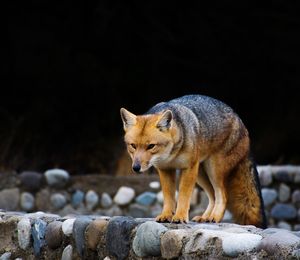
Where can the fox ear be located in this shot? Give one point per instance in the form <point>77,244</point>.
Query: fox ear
<point>164,122</point>
<point>128,118</point>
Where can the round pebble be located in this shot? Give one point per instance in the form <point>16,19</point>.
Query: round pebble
<point>284,211</point>
<point>147,198</point>
<point>67,226</point>
<point>147,239</point>
<point>77,198</point>
<point>79,227</point>
<point>54,235</point>
<point>124,196</point>
<point>269,196</point>
<point>94,232</point>
<point>91,199</point>
<point>57,177</point>
<point>9,199</point>
<point>154,185</point>
<point>284,192</point>
<point>27,201</point>
<point>67,253</point>
<point>58,200</point>
<point>24,233</point>
<point>31,181</point>
<point>106,200</point>
<point>38,235</point>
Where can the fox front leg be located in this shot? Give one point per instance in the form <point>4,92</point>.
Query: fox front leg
<point>168,185</point>
<point>187,182</point>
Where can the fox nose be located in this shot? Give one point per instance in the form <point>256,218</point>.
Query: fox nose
<point>136,167</point>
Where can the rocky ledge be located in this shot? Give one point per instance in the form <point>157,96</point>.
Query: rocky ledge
<point>49,236</point>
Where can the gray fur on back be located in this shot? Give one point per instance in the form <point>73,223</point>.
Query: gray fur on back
<point>198,114</point>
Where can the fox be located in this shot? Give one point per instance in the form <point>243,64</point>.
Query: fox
<point>204,140</point>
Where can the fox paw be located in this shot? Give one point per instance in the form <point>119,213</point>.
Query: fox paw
<point>200,219</point>
<point>179,219</point>
<point>163,218</point>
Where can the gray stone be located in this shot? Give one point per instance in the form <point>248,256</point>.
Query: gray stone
<point>57,177</point>
<point>235,244</point>
<point>9,199</point>
<point>265,175</point>
<point>296,198</point>
<point>284,176</point>
<point>118,236</point>
<point>284,225</point>
<point>269,196</point>
<point>147,239</point>
<point>124,196</point>
<point>77,198</point>
<point>91,199</point>
<point>79,227</point>
<point>273,243</point>
<point>5,256</point>
<point>284,211</point>
<point>42,199</point>
<point>297,227</point>
<point>67,226</point>
<point>147,198</point>
<point>38,235</point>
<point>113,211</point>
<point>58,200</point>
<point>69,210</point>
<point>27,201</point>
<point>54,234</point>
<point>297,177</point>
<point>106,200</point>
<point>155,210</point>
<point>138,211</point>
<point>284,192</point>
<point>172,242</point>
<point>67,253</point>
<point>24,233</point>
<point>31,181</point>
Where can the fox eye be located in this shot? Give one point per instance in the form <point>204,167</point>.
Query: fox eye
<point>150,146</point>
<point>133,146</point>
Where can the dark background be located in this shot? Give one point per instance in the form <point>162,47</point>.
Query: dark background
<point>68,68</point>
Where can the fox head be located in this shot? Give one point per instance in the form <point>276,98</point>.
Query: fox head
<point>149,138</point>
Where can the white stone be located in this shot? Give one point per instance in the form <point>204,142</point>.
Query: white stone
<point>57,177</point>
<point>91,199</point>
<point>124,196</point>
<point>24,233</point>
<point>67,253</point>
<point>235,244</point>
<point>107,258</point>
<point>5,256</point>
<point>67,226</point>
<point>154,185</point>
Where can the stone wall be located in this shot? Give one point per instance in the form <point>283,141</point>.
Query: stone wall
<point>48,236</point>
<point>57,192</point>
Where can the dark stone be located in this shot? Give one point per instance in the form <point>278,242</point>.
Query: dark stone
<point>31,181</point>
<point>284,211</point>
<point>38,235</point>
<point>284,176</point>
<point>118,236</point>
<point>79,227</point>
<point>77,198</point>
<point>54,234</point>
<point>138,211</point>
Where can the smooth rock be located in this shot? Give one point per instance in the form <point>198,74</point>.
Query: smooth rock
<point>38,235</point>
<point>113,211</point>
<point>283,176</point>
<point>106,200</point>
<point>27,201</point>
<point>138,211</point>
<point>146,198</point>
<point>24,233</point>
<point>54,234</point>
<point>235,244</point>
<point>67,253</point>
<point>5,256</point>
<point>42,199</point>
<point>31,181</point>
<point>124,196</point>
<point>67,226</point>
<point>172,242</point>
<point>9,199</point>
<point>284,225</point>
<point>57,177</point>
<point>69,210</point>
<point>296,198</point>
<point>79,227</point>
<point>269,196</point>
<point>154,185</point>
<point>147,239</point>
<point>77,198</point>
<point>284,211</point>
<point>278,240</point>
<point>94,232</point>
<point>265,175</point>
<point>118,236</point>
<point>91,199</point>
<point>284,192</point>
<point>58,200</point>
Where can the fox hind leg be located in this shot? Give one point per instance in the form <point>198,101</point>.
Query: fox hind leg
<point>204,183</point>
